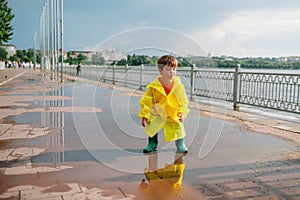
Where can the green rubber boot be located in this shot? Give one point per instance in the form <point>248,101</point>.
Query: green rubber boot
<point>180,144</point>
<point>152,145</point>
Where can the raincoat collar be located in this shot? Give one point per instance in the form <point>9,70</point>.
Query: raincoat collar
<point>157,85</point>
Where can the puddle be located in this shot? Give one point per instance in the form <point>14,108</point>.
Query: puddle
<point>7,89</point>
<point>4,144</point>
<point>8,107</point>
<point>69,156</point>
<point>35,119</point>
<point>16,95</point>
<point>32,81</point>
<point>43,119</point>
<point>118,127</point>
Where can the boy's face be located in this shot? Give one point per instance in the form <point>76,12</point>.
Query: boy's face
<point>168,72</point>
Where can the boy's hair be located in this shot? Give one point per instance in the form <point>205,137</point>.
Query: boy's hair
<point>167,60</point>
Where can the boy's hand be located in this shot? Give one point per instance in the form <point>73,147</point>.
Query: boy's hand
<point>181,117</point>
<point>145,122</point>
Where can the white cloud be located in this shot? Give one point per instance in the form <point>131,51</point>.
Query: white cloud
<point>253,33</point>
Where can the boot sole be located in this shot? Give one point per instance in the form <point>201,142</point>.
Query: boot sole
<point>149,152</point>
<point>184,152</point>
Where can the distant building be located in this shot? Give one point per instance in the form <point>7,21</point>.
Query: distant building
<point>282,59</point>
<point>112,55</point>
<point>108,55</point>
<point>294,58</point>
<point>289,58</point>
<point>87,54</point>
<point>10,49</point>
<point>65,54</point>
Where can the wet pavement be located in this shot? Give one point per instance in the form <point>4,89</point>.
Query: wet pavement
<point>82,140</point>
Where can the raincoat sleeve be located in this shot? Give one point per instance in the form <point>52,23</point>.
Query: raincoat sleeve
<point>183,101</point>
<point>146,102</point>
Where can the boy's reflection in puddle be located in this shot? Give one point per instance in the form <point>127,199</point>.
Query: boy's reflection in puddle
<point>163,183</point>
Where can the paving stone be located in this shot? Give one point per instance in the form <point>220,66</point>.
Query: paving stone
<point>267,197</point>
<point>245,193</point>
<point>53,191</point>
<point>28,169</point>
<point>96,193</point>
<point>4,127</point>
<point>53,198</point>
<point>10,195</point>
<point>23,152</point>
<point>291,191</point>
<point>5,153</point>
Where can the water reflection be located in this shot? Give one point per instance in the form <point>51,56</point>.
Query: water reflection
<point>163,183</point>
<point>55,120</point>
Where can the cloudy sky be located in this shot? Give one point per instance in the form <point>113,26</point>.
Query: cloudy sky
<point>222,27</point>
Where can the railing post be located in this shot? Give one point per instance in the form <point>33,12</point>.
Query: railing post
<point>114,68</point>
<point>104,74</point>
<point>236,105</point>
<point>126,69</point>
<point>141,76</point>
<point>192,81</point>
<point>90,74</point>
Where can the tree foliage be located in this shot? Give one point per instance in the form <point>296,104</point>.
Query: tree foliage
<point>25,55</point>
<point>256,63</point>
<point>246,62</point>
<point>97,59</point>
<point>136,60</point>
<point>6,16</point>
<point>80,58</point>
<point>3,53</point>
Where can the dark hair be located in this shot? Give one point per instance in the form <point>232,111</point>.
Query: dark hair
<point>167,60</point>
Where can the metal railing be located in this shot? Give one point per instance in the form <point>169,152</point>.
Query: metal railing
<point>277,91</point>
<point>268,90</point>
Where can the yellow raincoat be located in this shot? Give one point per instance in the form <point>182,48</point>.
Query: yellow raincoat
<point>163,110</point>
<point>165,179</point>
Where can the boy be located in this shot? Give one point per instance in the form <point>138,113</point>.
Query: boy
<point>164,105</point>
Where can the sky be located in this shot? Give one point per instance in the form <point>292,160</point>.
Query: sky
<point>239,28</point>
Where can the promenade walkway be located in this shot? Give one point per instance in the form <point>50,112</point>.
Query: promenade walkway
<point>82,140</point>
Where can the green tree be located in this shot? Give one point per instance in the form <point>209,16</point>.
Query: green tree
<point>13,58</point>
<point>122,62</point>
<point>81,58</point>
<point>97,59</point>
<point>136,60</point>
<point>19,54</point>
<point>26,59</point>
<point>30,54</point>
<point>3,54</point>
<point>6,16</point>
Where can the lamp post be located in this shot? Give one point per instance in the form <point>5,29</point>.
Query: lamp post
<point>62,38</point>
<point>51,37</point>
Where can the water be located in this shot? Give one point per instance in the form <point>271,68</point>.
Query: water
<point>116,132</point>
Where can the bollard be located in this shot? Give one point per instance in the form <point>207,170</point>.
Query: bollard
<point>126,75</point>
<point>90,73</point>
<point>141,76</point>
<point>236,82</point>
<point>192,81</point>
<point>114,68</point>
<point>104,74</point>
